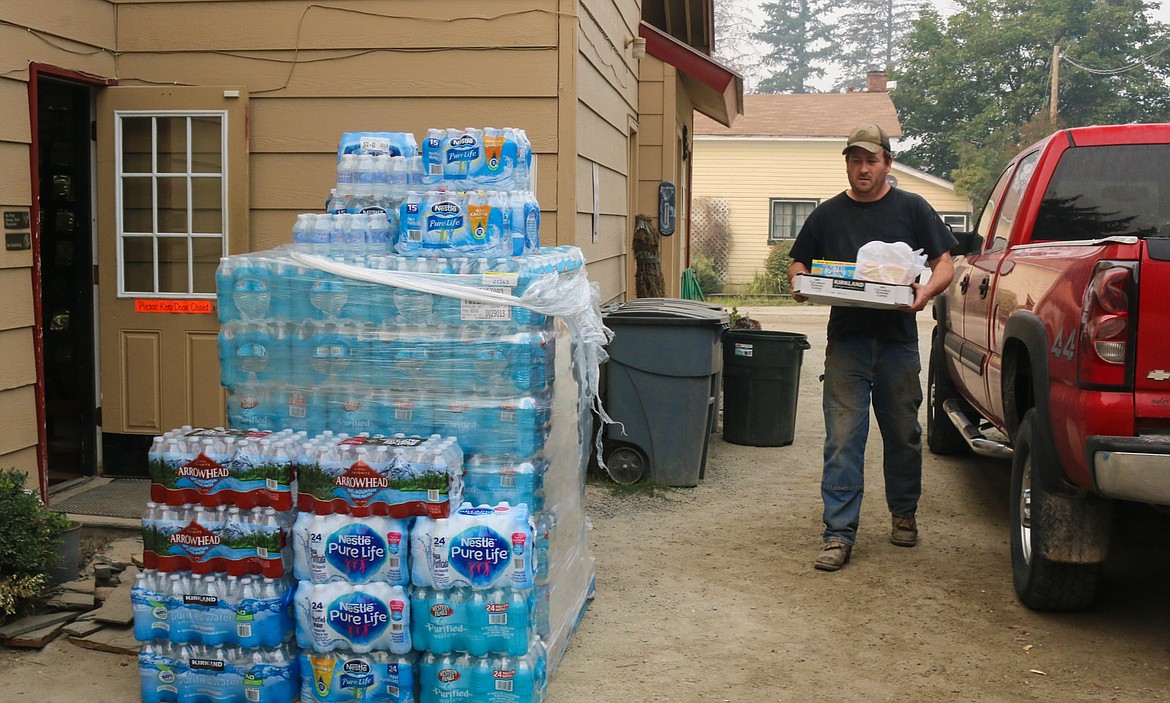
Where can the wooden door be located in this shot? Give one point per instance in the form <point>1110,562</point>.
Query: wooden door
<point>172,200</point>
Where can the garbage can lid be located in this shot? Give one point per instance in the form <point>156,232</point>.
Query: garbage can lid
<point>668,311</point>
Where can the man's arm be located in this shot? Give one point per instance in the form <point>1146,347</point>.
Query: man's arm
<point>942,272</point>
<point>794,269</point>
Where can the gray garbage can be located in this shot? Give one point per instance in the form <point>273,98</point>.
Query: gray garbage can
<point>662,383</point>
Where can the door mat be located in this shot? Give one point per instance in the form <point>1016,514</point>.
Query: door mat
<point>121,497</point>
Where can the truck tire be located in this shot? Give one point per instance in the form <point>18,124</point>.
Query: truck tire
<point>1038,520</point>
<point>942,437</point>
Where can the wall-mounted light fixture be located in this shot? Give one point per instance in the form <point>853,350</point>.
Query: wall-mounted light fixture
<point>639,46</point>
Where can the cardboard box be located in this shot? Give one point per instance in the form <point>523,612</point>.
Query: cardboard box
<point>833,269</point>
<point>826,290</point>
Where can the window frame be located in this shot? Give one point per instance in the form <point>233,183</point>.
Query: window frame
<point>772,202</point>
<point>154,174</point>
<point>963,224</point>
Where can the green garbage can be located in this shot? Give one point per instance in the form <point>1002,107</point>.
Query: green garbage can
<point>761,382</point>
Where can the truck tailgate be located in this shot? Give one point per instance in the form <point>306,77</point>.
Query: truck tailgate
<point>1152,370</point>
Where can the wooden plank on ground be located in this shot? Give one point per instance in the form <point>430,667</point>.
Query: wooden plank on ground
<point>116,607</point>
<point>82,627</point>
<point>85,585</point>
<point>70,600</point>
<point>35,622</point>
<point>35,639</point>
<point>117,640</point>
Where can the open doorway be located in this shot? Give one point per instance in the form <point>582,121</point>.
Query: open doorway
<point>65,252</point>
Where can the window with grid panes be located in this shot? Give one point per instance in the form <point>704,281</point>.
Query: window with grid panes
<point>787,217</point>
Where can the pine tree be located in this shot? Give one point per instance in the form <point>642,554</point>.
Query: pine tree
<point>798,42</point>
<point>735,46</point>
<point>871,35</point>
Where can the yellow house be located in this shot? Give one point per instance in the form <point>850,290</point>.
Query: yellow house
<point>756,181</point>
<point>142,140</point>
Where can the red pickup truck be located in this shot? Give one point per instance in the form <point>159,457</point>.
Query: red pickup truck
<point>1052,347</point>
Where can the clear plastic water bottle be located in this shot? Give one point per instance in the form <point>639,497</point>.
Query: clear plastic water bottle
<point>150,608</point>
<point>431,156</point>
<point>439,620</point>
<point>158,672</point>
<point>303,229</point>
<point>226,309</point>
<point>378,233</point>
<point>328,294</point>
<point>414,307</point>
<point>343,677</point>
<point>347,167</point>
<point>361,618</point>
<point>252,286</point>
<point>366,174</point>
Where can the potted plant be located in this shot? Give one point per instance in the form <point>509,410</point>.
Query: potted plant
<point>30,543</point>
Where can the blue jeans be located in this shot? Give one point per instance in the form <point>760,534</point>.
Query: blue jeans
<point>860,369</point>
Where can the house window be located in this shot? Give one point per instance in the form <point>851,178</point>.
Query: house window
<point>171,193</point>
<point>956,221</point>
<point>788,217</point>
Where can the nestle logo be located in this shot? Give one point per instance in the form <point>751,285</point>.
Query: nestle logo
<point>848,284</point>
<point>445,208</point>
<point>465,140</point>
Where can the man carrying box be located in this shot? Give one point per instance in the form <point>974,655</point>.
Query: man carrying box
<point>872,355</point>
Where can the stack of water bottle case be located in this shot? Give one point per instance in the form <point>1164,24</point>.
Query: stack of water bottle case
<point>395,514</point>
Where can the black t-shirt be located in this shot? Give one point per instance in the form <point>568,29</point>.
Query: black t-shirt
<point>837,229</point>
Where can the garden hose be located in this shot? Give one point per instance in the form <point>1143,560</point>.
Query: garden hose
<point>690,286</point>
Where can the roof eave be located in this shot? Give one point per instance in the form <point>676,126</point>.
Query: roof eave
<point>715,90</point>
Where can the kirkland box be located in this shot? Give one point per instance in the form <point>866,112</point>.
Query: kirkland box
<point>853,293</point>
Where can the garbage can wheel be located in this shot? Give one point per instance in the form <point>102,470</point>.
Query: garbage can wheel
<point>625,464</point>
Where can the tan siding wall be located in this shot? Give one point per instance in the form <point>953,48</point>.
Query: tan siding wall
<point>19,429</point>
<point>75,35</point>
<point>943,200</point>
<point>345,24</point>
<point>19,367</point>
<point>25,460</point>
<point>607,90</point>
<point>396,73</point>
<point>676,255</point>
<point>748,174</point>
<point>89,22</point>
<point>14,122</point>
<point>666,109</point>
<point>651,74</point>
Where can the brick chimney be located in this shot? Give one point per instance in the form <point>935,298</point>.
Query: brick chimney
<point>876,81</point>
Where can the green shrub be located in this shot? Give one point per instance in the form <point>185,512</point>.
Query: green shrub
<point>30,539</point>
<point>774,279</point>
<point>709,279</point>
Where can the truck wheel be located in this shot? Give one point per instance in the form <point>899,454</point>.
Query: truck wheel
<point>1038,521</point>
<point>942,437</point>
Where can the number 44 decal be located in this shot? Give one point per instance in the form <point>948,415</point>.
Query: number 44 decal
<point>1064,347</point>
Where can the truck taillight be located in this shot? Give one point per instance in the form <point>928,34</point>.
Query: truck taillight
<point>1104,357</point>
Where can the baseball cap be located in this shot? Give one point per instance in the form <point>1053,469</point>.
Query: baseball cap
<point>869,137</point>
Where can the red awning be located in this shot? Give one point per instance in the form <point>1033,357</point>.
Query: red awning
<point>715,90</point>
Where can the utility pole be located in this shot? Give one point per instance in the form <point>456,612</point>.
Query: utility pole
<point>1055,81</point>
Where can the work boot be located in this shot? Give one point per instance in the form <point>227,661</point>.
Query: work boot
<point>904,532</point>
<point>833,555</point>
